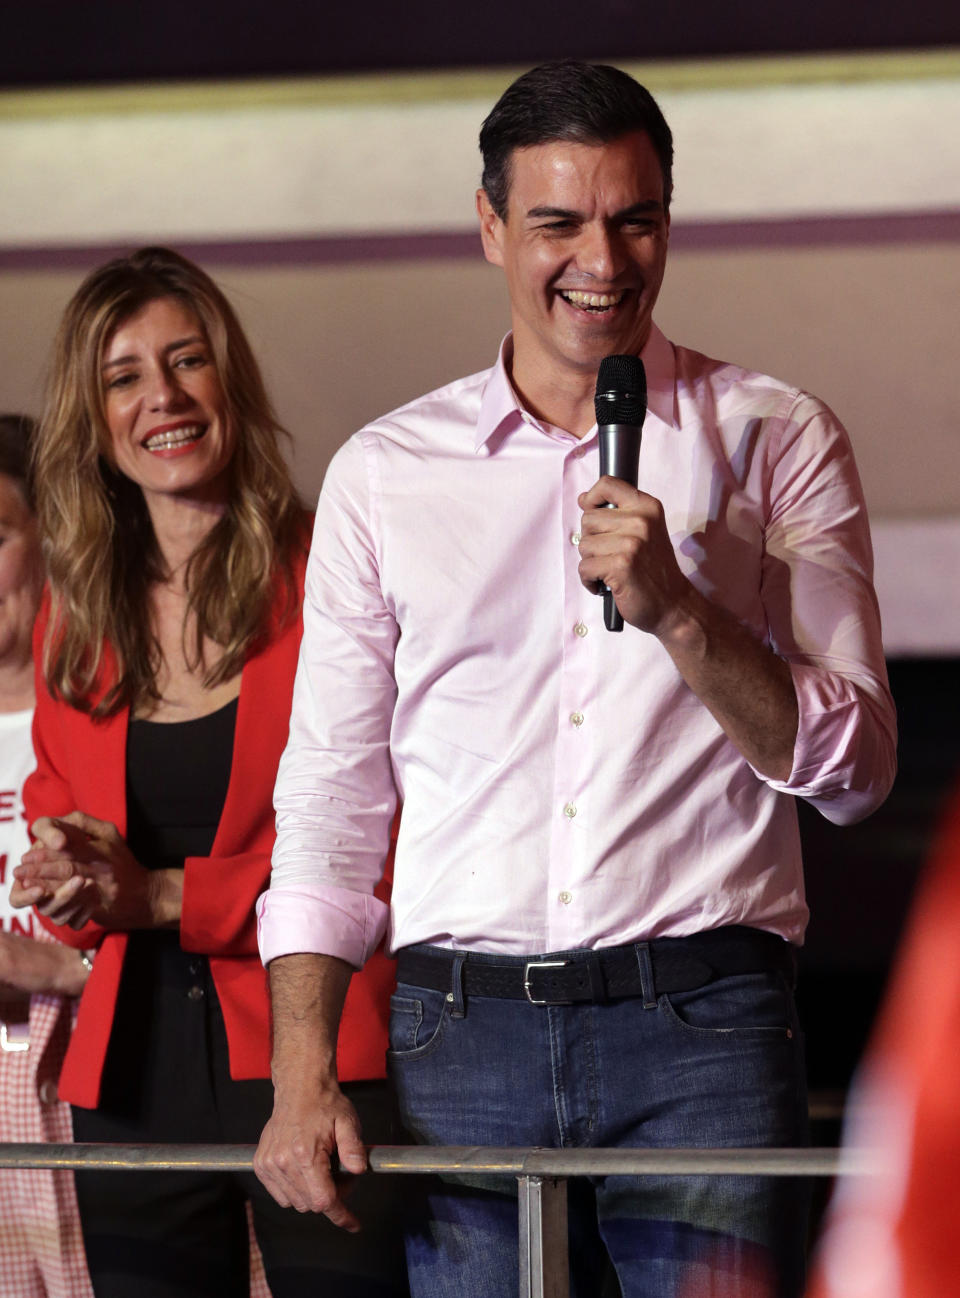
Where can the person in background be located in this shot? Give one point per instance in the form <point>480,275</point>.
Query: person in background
<point>893,1234</point>
<point>175,549</point>
<point>41,1248</point>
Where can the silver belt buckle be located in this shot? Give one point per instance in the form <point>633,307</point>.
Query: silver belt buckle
<point>541,964</point>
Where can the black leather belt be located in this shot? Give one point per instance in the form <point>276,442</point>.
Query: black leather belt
<point>678,964</point>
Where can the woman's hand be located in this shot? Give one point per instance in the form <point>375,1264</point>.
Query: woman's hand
<point>80,869</point>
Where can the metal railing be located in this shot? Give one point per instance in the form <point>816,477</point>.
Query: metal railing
<point>541,1175</point>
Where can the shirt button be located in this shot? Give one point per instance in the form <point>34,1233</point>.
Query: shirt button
<point>569,811</point>
<point>566,897</point>
<point>574,538</point>
<point>581,629</point>
<point>579,453</point>
<point>576,719</point>
<point>48,1091</point>
<point>195,993</point>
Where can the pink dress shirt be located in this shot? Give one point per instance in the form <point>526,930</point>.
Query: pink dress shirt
<point>562,787</point>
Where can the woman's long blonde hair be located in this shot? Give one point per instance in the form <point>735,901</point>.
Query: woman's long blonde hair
<point>101,553</point>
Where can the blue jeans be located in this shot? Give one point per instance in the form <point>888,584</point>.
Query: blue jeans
<point>719,1066</point>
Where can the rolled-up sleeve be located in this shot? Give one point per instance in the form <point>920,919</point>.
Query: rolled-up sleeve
<point>823,618</point>
<point>335,794</point>
<point>325,920</point>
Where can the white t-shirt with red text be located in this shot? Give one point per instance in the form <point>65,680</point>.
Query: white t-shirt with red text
<point>16,763</point>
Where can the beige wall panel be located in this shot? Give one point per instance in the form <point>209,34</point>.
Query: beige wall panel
<point>30,307</point>
<point>871,329</point>
<point>341,345</point>
<point>755,138</point>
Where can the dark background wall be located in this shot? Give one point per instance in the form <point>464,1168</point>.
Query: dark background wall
<point>57,42</point>
<point>860,879</point>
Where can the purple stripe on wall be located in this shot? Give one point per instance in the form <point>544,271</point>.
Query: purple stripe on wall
<point>903,227</point>
<point>819,231</point>
<point>320,251</point>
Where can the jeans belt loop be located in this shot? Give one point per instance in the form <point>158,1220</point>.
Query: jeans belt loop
<point>648,987</point>
<point>455,994</point>
<point>598,984</point>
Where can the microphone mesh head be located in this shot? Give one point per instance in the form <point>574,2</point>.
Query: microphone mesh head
<point>621,396</point>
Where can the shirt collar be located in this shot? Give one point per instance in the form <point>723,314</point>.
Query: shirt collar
<point>498,405</point>
<point>660,364</point>
<point>501,410</point>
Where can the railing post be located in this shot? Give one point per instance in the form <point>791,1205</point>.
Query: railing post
<point>544,1269</point>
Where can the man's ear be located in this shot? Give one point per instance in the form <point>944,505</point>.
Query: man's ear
<point>491,229</point>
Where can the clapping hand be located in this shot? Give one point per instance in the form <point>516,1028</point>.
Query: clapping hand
<point>80,869</point>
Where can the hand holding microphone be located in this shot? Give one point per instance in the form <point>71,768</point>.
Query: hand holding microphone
<point>629,548</point>
<point>621,406</point>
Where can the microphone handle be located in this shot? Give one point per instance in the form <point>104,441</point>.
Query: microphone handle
<point>620,451</point>
<point>612,617</point>
<point>619,458</point>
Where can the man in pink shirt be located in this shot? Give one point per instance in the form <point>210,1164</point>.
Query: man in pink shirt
<point>598,889</point>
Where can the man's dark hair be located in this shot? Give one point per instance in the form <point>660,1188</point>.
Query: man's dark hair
<point>585,103</point>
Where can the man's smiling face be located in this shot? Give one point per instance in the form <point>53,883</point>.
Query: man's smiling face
<point>583,247</point>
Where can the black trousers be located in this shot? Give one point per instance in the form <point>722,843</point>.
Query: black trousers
<point>160,1234</point>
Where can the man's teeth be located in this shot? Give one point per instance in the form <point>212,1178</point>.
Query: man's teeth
<point>591,300</point>
<point>173,437</point>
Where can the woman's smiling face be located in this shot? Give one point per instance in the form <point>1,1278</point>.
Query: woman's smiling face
<point>170,430</point>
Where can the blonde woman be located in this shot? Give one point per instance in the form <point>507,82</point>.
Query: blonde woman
<point>175,550</point>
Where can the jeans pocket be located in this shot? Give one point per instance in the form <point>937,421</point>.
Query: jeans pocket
<point>742,1005</point>
<point>416,1022</point>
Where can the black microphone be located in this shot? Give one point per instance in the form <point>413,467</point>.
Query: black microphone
<point>621,406</point>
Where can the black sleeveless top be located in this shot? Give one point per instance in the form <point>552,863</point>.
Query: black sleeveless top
<point>177,777</point>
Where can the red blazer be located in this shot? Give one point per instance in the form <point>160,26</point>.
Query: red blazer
<point>81,766</point>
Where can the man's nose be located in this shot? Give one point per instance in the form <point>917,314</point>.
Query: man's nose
<point>600,253</point>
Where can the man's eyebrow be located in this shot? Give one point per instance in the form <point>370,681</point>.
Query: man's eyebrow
<point>644,208</point>
<point>564,212</point>
<point>170,347</point>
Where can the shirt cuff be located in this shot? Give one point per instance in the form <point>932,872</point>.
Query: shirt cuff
<point>825,750</point>
<point>320,919</point>
<point>843,759</point>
